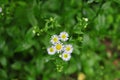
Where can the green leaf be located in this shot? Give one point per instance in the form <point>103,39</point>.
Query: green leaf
<point>31,18</point>
<point>89,70</point>
<point>3,74</point>
<point>3,2</point>
<point>39,65</point>
<point>16,65</point>
<point>3,61</point>
<point>24,45</point>
<point>90,1</point>
<point>71,68</point>
<point>29,34</point>
<point>76,49</point>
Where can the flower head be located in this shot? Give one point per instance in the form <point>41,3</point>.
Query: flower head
<point>55,39</point>
<point>68,48</point>
<point>59,47</point>
<point>66,56</point>
<point>51,50</point>
<point>64,36</point>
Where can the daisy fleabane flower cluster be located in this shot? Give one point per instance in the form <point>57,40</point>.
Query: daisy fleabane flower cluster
<point>64,50</point>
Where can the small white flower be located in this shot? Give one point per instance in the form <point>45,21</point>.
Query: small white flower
<point>55,39</point>
<point>0,9</point>
<point>59,47</point>
<point>64,36</point>
<point>51,50</point>
<point>68,48</point>
<point>66,56</point>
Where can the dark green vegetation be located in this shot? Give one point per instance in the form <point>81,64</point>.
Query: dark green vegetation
<point>23,54</point>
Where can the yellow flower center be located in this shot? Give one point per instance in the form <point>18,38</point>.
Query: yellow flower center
<point>55,39</point>
<point>63,36</point>
<point>58,46</point>
<point>51,49</point>
<point>68,48</point>
<point>65,55</point>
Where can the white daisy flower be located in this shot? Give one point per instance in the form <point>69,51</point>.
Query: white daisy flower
<point>59,47</point>
<point>0,9</point>
<point>66,56</point>
<point>64,36</point>
<point>55,39</point>
<point>51,50</point>
<point>68,48</point>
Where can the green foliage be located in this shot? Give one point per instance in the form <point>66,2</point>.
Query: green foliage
<point>27,25</point>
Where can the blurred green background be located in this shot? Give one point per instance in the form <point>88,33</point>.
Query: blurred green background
<point>27,25</point>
